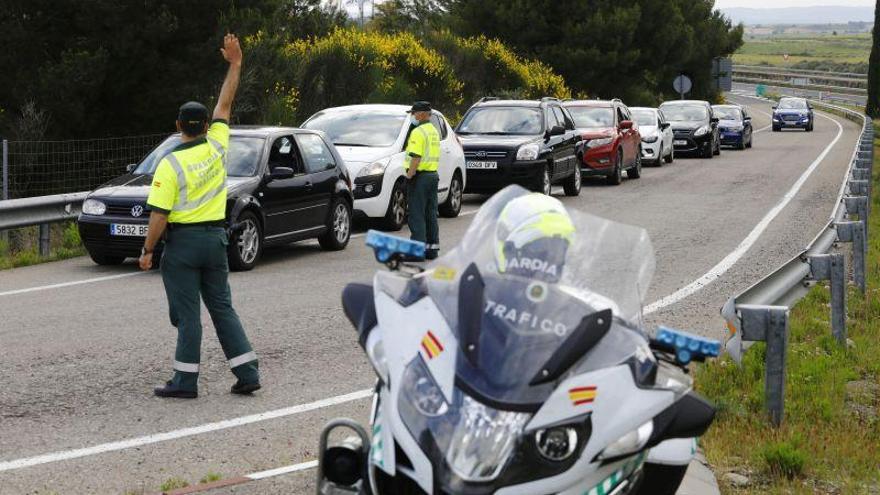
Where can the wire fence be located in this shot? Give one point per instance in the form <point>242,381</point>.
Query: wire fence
<point>41,168</point>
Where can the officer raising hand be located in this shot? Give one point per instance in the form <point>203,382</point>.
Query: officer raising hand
<point>188,199</point>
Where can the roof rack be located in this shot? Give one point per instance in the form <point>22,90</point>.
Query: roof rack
<point>549,98</point>
<point>617,100</point>
<point>488,98</point>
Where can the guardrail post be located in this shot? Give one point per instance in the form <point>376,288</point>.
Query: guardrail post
<point>832,267</point>
<point>770,324</point>
<point>859,187</point>
<point>4,178</point>
<point>854,232</point>
<point>858,205</point>
<point>44,239</point>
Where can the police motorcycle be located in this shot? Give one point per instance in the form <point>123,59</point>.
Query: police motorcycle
<point>517,364</point>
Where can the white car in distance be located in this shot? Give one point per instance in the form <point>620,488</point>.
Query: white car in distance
<point>657,136</point>
<point>371,140</point>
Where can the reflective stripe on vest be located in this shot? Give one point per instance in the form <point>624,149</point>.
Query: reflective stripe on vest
<point>183,203</point>
<point>431,160</point>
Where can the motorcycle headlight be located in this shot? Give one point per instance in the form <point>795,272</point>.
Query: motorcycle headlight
<point>375,168</point>
<point>702,131</point>
<point>483,440</point>
<point>630,443</point>
<point>650,139</point>
<point>93,207</point>
<point>557,443</point>
<point>420,389</point>
<point>595,143</point>
<point>528,152</point>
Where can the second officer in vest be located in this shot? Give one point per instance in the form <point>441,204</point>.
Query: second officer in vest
<point>188,196</point>
<point>423,159</point>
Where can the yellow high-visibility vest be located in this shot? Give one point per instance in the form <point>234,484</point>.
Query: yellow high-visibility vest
<point>424,141</point>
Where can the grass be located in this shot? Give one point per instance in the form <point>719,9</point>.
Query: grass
<point>829,442</point>
<point>211,477</point>
<point>173,484</point>
<point>64,243</point>
<point>834,51</point>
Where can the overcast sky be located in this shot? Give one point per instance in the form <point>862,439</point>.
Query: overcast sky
<point>721,4</point>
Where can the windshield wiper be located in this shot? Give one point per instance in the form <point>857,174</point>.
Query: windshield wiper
<point>353,144</point>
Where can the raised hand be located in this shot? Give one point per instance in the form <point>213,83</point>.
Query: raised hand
<point>231,49</point>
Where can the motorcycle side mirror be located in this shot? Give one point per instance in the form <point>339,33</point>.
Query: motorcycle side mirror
<point>690,417</point>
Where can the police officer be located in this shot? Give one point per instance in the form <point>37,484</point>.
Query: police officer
<point>423,158</point>
<point>188,197</point>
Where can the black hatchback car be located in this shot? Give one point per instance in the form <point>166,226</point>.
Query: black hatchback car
<point>284,185</point>
<point>527,142</point>
<point>694,127</point>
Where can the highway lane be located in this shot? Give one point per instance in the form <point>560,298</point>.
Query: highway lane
<point>80,360</point>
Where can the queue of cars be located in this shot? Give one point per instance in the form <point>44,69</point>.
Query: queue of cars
<point>290,184</point>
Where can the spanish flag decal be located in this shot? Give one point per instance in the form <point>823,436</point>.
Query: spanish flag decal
<point>582,395</point>
<point>431,345</point>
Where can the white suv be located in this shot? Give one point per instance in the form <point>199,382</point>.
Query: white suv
<point>657,138</point>
<point>371,140</point>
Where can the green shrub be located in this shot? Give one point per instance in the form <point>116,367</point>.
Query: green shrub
<point>173,484</point>
<point>784,459</point>
<point>70,236</point>
<point>210,477</point>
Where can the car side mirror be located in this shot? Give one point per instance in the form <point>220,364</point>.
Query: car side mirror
<point>626,124</point>
<point>775,107</point>
<point>665,125</point>
<point>130,167</point>
<point>557,130</point>
<point>281,173</point>
<point>714,120</point>
<point>747,117</point>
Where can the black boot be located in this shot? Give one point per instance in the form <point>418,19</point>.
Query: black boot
<point>245,388</point>
<point>173,391</point>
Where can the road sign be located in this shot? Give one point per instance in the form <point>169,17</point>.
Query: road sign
<point>682,85</point>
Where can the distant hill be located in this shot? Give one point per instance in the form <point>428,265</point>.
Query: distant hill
<point>800,15</point>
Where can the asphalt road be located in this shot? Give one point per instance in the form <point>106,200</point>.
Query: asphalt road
<point>79,360</point>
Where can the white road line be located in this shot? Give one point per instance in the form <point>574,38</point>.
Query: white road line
<point>70,284</point>
<point>283,470</point>
<point>185,432</point>
<point>731,259</point>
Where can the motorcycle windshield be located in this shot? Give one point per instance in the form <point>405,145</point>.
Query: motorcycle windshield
<point>513,309</point>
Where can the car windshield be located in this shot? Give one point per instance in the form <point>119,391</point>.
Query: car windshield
<point>685,113</point>
<point>502,120</point>
<point>243,159</point>
<point>792,104</point>
<point>644,117</point>
<point>368,128</point>
<point>728,113</point>
<point>592,117</point>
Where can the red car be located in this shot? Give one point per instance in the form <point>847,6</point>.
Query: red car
<point>611,141</point>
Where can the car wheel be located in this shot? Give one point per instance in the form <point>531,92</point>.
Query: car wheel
<point>658,479</point>
<point>106,259</point>
<point>338,232</point>
<point>616,176</point>
<point>544,186</point>
<point>660,156</point>
<point>246,245</point>
<point>636,171</point>
<point>573,184</point>
<point>452,206</point>
<point>742,143</point>
<point>671,156</point>
<point>810,127</point>
<point>395,217</point>
<point>751,138</point>
<point>776,128</point>
<point>707,151</point>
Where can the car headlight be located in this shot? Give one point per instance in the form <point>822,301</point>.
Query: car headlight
<point>595,143</point>
<point>650,139</point>
<point>375,168</point>
<point>776,118</point>
<point>528,152</point>
<point>630,443</point>
<point>702,131</point>
<point>93,207</point>
<point>557,443</point>
<point>420,389</point>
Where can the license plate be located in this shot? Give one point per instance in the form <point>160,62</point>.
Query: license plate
<point>128,229</point>
<point>680,142</point>
<point>483,165</point>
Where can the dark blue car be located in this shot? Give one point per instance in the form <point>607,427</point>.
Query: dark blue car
<point>734,125</point>
<point>794,113</point>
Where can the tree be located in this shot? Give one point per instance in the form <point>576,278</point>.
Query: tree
<point>873,107</point>
<point>418,16</point>
<point>608,48</point>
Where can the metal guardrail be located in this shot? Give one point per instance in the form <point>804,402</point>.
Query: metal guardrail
<point>761,312</point>
<point>40,210</point>
<point>812,72</point>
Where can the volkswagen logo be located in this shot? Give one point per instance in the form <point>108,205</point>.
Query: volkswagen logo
<point>137,210</point>
<point>481,154</point>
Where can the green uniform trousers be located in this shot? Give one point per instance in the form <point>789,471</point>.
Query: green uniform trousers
<point>422,199</point>
<point>193,264</point>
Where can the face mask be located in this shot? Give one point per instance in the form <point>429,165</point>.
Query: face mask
<point>414,120</point>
